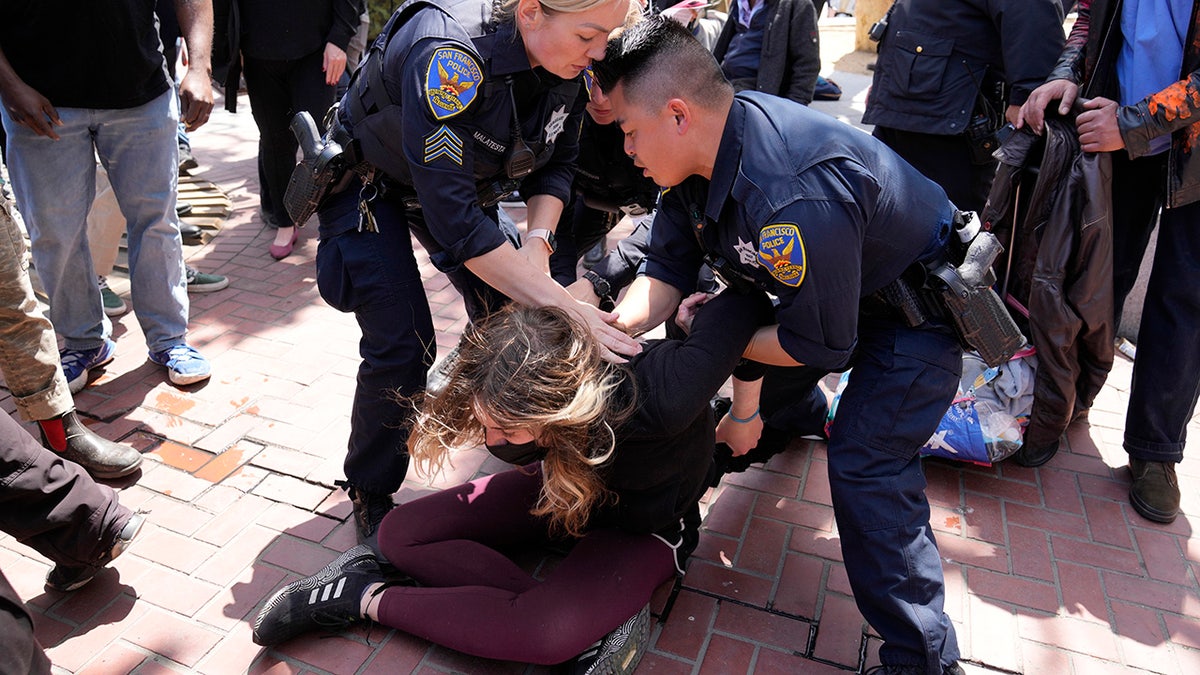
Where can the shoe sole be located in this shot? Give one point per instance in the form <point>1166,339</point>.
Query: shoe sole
<point>626,659</point>
<point>1149,512</point>
<point>116,473</point>
<point>115,311</point>
<point>184,380</point>
<point>208,288</point>
<point>304,585</point>
<point>80,383</point>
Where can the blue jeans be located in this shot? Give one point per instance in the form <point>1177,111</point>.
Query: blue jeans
<point>55,183</point>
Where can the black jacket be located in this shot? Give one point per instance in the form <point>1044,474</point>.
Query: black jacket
<point>790,58</point>
<point>937,55</point>
<point>1062,266</point>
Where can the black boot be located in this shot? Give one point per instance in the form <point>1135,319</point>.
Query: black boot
<point>102,458</point>
<point>369,510</point>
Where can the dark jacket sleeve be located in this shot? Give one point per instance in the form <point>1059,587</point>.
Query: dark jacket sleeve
<point>1070,62</point>
<point>621,265</point>
<point>686,374</point>
<point>345,21</point>
<point>802,59</point>
<point>1031,40</point>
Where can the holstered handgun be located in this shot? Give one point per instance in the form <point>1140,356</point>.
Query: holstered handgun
<point>976,309</point>
<point>315,175</point>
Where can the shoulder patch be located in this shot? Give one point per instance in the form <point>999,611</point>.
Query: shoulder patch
<point>443,143</point>
<point>451,82</point>
<point>781,252</point>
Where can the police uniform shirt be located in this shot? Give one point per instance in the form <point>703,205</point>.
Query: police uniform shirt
<point>817,212</point>
<point>449,72</point>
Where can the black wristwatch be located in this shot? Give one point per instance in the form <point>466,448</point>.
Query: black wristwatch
<point>600,285</point>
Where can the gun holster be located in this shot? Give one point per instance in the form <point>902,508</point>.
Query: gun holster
<point>978,313</point>
<point>322,167</point>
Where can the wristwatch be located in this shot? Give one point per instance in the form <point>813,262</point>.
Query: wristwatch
<point>600,285</point>
<point>545,235</point>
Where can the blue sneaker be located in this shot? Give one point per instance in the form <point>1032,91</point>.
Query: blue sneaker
<point>185,365</point>
<point>76,363</point>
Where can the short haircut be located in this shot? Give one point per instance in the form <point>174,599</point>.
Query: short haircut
<point>657,59</point>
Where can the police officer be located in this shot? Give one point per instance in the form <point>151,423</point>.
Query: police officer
<point>949,74</point>
<point>607,187</point>
<point>457,103</point>
<point>782,197</point>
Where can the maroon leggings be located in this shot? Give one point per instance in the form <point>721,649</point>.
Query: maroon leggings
<point>476,600</point>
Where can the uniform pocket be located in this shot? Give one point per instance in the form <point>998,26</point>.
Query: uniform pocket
<point>918,62</point>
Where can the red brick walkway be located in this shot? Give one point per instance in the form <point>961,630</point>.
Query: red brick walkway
<point>1048,570</point>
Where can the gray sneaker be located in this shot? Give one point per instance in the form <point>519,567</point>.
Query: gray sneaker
<point>65,578</point>
<point>199,282</point>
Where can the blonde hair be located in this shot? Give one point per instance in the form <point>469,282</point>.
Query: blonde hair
<point>506,8</point>
<point>535,369</point>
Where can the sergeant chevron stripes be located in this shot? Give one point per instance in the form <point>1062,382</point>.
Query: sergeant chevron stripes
<point>443,143</point>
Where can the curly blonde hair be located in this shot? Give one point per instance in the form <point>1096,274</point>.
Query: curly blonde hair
<point>537,369</point>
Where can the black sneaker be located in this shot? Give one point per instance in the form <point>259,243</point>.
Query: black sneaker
<point>618,652</point>
<point>952,669</point>
<point>65,578</point>
<point>369,510</point>
<point>330,599</point>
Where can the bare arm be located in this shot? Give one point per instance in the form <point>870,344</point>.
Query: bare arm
<point>506,270</point>
<point>195,90</point>
<point>25,104</point>
<point>765,348</point>
<point>647,303</point>
<point>543,214</point>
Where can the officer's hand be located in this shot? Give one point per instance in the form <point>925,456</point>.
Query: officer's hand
<point>686,313</point>
<point>1033,112</point>
<point>537,252</point>
<point>334,63</point>
<point>1097,125</point>
<point>583,291</point>
<point>29,108</point>
<point>741,437</point>
<point>195,99</point>
<point>615,342</point>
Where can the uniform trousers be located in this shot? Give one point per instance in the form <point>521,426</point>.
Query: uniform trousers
<point>52,504</point>
<point>475,599</point>
<point>947,161</point>
<point>375,275</point>
<point>902,383</point>
<point>1166,372</point>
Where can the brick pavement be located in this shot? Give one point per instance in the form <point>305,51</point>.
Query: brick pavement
<point>1048,570</point>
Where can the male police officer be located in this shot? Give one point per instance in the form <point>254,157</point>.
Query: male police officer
<point>776,195</point>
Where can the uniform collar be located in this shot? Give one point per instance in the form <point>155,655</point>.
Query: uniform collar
<point>728,161</point>
<point>507,50</point>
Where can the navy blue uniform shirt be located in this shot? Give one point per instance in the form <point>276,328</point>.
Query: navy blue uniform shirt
<point>818,212</point>
<point>451,74</point>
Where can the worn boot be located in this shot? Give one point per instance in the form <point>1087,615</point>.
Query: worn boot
<point>369,510</point>
<point>102,458</point>
<point>1155,490</point>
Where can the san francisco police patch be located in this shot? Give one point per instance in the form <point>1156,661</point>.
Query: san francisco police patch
<point>781,251</point>
<point>451,82</point>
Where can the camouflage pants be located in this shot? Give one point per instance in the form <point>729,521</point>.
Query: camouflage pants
<point>28,348</point>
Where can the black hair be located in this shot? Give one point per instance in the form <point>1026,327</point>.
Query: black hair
<point>657,59</point>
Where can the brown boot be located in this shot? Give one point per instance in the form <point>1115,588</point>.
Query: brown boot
<point>1155,490</point>
<point>102,458</point>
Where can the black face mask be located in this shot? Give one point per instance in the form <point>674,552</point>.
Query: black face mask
<point>517,453</point>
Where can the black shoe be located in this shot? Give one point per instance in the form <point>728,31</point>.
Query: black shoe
<point>183,208</point>
<point>369,510</point>
<point>67,436</point>
<point>330,599</point>
<point>190,232</point>
<point>66,578</point>
<point>618,652</point>
<point>1155,490</point>
<point>1031,456</point>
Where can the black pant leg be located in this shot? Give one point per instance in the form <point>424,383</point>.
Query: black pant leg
<point>19,649</point>
<point>947,161</point>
